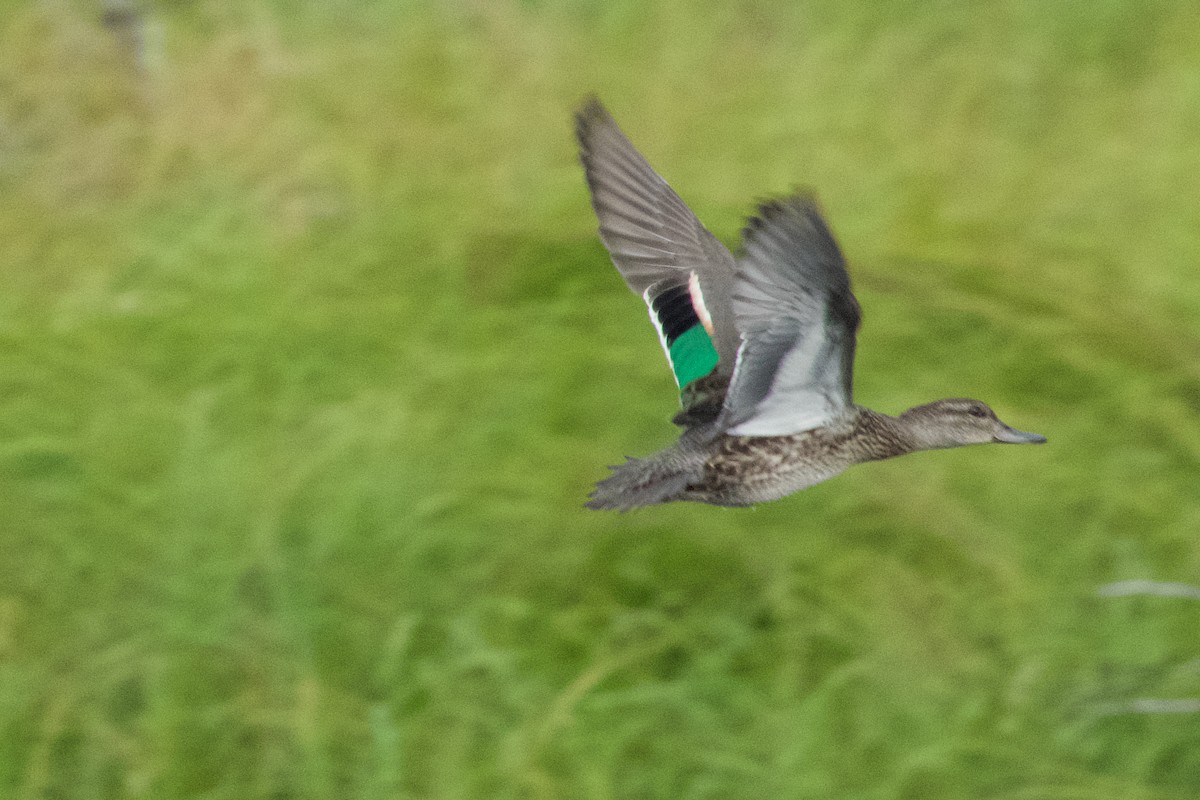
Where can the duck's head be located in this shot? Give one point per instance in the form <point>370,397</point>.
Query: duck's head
<point>960,421</point>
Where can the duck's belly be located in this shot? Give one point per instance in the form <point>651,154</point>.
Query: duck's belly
<point>746,470</point>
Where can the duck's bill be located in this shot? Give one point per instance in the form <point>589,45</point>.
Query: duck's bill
<point>1013,436</point>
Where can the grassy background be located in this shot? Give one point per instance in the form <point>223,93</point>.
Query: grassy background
<point>309,355</point>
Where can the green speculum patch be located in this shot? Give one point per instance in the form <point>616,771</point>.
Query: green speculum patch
<point>692,355</point>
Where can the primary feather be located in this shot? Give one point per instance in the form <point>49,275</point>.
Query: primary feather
<point>655,240</point>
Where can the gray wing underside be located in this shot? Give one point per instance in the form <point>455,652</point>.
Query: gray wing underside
<point>793,304</point>
<point>655,240</point>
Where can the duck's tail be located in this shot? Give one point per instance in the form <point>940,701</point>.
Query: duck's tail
<point>647,481</point>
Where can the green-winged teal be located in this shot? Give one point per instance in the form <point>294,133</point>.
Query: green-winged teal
<point>762,347</point>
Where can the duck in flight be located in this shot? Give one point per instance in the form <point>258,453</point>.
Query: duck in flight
<point>762,346</point>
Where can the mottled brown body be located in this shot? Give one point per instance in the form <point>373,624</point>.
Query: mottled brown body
<point>709,466</point>
<point>743,470</point>
<point>702,400</point>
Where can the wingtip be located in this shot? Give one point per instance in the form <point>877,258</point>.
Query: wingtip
<point>801,200</point>
<point>589,113</point>
<point>590,104</point>
<point>801,204</point>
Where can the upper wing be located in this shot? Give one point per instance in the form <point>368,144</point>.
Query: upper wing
<point>661,250</point>
<point>798,319</point>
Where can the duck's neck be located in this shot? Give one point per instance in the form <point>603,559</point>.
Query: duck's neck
<point>882,436</point>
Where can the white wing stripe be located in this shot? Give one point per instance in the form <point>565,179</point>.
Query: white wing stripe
<point>662,336</point>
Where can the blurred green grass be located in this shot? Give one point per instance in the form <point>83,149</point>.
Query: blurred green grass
<point>309,355</point>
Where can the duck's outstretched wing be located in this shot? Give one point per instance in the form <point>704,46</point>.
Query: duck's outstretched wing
<point>798,318</point>
<point>661,250</point>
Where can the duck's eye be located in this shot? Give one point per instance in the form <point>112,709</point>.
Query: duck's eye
<point>976,411</point>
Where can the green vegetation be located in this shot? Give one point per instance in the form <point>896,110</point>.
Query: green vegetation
<point>309,355</point>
